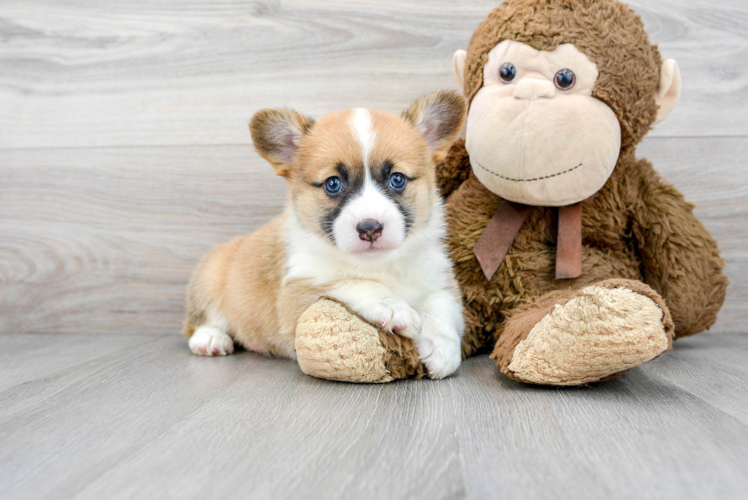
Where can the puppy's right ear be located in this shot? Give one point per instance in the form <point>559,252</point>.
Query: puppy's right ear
<point>277,135</point>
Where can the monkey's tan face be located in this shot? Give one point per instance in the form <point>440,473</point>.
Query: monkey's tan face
<point>535,134</point>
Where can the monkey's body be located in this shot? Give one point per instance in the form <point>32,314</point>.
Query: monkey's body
<point>636,228</point>
<point>560,94</point>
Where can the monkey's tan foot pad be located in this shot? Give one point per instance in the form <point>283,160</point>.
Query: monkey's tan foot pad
<point>597,334</point>
<point>334,343</point>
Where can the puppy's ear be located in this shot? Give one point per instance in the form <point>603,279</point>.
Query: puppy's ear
<point>277,135</point>
<point>440,118</point>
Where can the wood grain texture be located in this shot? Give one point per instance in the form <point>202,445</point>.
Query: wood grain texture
<point>83,73</point>
<point>103,240</point>
<point>59,352</point>
<point>154,421</point>
<point>643,437</point>
<point>108,238</point>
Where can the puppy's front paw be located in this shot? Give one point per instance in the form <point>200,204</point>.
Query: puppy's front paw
<point>394,315</point>
<point>441,356</point>
<point>209,341</point>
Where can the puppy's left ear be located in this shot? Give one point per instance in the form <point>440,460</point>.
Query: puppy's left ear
<point>440,118</point>
<point>277,134</point>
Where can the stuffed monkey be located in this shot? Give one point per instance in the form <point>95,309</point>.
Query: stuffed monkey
<point>576,260</point>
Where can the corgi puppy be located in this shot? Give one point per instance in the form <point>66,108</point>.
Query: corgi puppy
<point>364,224</point>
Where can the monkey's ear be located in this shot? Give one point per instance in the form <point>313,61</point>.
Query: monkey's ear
<point>668,92</point>
<point>277,134</point>
<point>458,66</point>
<point>440,118</point>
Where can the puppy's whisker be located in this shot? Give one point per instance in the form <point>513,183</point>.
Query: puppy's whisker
<point>418,231</point>
<point>415,235</point>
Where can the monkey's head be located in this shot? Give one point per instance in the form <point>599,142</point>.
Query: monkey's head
<point>557,90</point>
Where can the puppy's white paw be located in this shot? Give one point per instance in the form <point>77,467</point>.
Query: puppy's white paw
<point>442,356</point>
<point>394,315</point>
<point>209,341</point>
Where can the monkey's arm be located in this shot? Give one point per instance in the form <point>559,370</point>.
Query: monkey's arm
<point>454,169</point>
<point>680,258</point>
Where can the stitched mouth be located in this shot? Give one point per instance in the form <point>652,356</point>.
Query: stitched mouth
<point>529,180</point>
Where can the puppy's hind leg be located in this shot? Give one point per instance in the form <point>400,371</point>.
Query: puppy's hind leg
<point>207,332</point>
<point>212,340</point>
<point>205,325</point>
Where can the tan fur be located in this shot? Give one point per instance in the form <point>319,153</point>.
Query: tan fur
<point>403,144</point>
<point>241,282</point>
<point>333,141</point>
<point>442,104</point>
<point>269,124</point>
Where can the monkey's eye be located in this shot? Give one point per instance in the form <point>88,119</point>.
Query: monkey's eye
<point>507,72</point>
<point>333,185</point>
<point>397,181</point>
<point>565,79</point>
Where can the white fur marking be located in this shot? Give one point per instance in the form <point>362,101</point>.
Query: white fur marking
<point>363,127</point>
<point>439,342</point>
<point>210,341</point>
<point>370,204</point>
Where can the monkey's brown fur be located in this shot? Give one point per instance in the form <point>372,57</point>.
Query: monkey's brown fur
<point>638,231</point>
<point>637,227</point>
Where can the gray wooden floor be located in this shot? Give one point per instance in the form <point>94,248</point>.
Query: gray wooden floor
<point>126,416</point>
<point>125,155</point>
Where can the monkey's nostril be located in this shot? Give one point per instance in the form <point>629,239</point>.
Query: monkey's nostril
<point>369,230</point>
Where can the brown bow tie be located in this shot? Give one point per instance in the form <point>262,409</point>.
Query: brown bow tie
<point>505,224</point>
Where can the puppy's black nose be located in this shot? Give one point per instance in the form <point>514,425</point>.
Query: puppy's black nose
<point>369,230</point>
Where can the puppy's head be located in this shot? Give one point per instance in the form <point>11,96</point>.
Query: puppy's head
<point>363,180</point>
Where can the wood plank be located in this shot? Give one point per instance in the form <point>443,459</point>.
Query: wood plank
<point>108,73</point>
<point>143,422</point>
<point>112,405</point>
<point>27,357</point>
<point>711,367</point>
<point>104,240</point>
<point>303,439</point>
<point>637,437</point>
<point>153,421</point>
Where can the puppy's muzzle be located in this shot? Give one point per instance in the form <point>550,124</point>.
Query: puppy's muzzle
<point>369,230</point>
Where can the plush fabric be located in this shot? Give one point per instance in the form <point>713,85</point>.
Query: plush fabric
<point>334,343</point>
<point>607,31</point>
<point>637,227</point>
<point>533,143</point>
<point>599,331</point>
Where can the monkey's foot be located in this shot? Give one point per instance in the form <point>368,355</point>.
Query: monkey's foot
<point>589,335</point>
<point>334,343</point>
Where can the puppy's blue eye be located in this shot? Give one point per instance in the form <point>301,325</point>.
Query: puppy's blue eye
<point>397,181</point>
<point>333,185</point>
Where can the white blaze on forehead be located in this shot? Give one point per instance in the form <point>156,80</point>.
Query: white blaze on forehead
<point>363,127</point>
